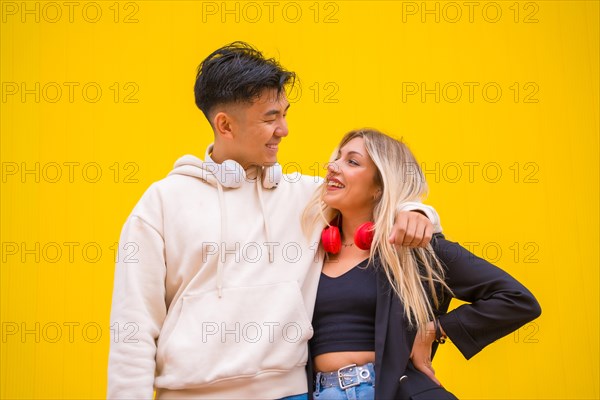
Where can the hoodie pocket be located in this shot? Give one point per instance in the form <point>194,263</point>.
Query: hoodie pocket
<point>246,331</point>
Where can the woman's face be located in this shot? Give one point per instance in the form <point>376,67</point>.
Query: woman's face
<point>350,180</point>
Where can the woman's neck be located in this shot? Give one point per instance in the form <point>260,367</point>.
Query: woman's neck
<point>351,222</point>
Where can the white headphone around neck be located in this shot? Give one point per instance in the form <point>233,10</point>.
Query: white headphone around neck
<point>231,174</point>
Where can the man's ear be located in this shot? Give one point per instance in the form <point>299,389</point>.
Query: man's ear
<point>223,124</point>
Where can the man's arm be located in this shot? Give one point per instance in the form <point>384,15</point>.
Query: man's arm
<point>138,311</point>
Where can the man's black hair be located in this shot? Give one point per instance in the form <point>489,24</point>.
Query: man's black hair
<point>237,72</point>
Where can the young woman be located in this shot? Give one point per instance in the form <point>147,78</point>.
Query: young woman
<point>380,310</point>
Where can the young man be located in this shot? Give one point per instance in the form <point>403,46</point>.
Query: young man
<point>217,300</point>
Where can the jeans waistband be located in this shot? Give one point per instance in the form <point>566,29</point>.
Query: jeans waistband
<point>346,377</point>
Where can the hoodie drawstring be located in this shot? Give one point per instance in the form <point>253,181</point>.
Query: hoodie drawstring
<point>207,172</point>
<point>265,222</point>
<point>220,263</point>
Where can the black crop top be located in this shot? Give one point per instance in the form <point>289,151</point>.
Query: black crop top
<point>344,318</point>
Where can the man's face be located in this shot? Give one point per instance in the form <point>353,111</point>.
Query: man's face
<point>258,128</point>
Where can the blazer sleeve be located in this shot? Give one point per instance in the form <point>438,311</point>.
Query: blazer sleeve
<point>497,303</point>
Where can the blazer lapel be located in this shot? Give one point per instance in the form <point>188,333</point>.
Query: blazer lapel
<point>393,341</point>
<point>382,316</point>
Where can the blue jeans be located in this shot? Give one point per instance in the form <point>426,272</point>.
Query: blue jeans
<point>364,391</point>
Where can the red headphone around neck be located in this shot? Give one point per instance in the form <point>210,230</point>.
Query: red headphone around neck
<point>332,239</point>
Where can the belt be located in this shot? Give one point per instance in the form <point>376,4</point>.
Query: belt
<point>346,377</point>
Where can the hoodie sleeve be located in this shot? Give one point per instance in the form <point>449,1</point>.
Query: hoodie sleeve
<point>498,303</point>
<point>138,309</point>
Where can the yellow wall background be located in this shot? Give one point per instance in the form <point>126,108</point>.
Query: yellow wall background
<point>499,100</point>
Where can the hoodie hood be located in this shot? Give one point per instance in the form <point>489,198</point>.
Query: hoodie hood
<point>189,165</point>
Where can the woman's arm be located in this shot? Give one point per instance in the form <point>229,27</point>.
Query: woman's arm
<point>499,304</point>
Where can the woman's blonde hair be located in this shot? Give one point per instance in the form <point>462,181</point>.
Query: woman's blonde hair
<point>409,271</point>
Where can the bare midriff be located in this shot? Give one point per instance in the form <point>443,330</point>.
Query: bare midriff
<point>329,362</point>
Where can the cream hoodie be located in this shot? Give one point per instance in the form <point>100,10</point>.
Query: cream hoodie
<point>215,288</point>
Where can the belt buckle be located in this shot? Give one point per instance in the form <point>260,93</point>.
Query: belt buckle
<point>342,376</point>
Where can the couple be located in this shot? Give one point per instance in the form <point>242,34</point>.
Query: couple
<point>233,257</point>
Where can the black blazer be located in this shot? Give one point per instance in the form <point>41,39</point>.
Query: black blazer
<point>498,305</point>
